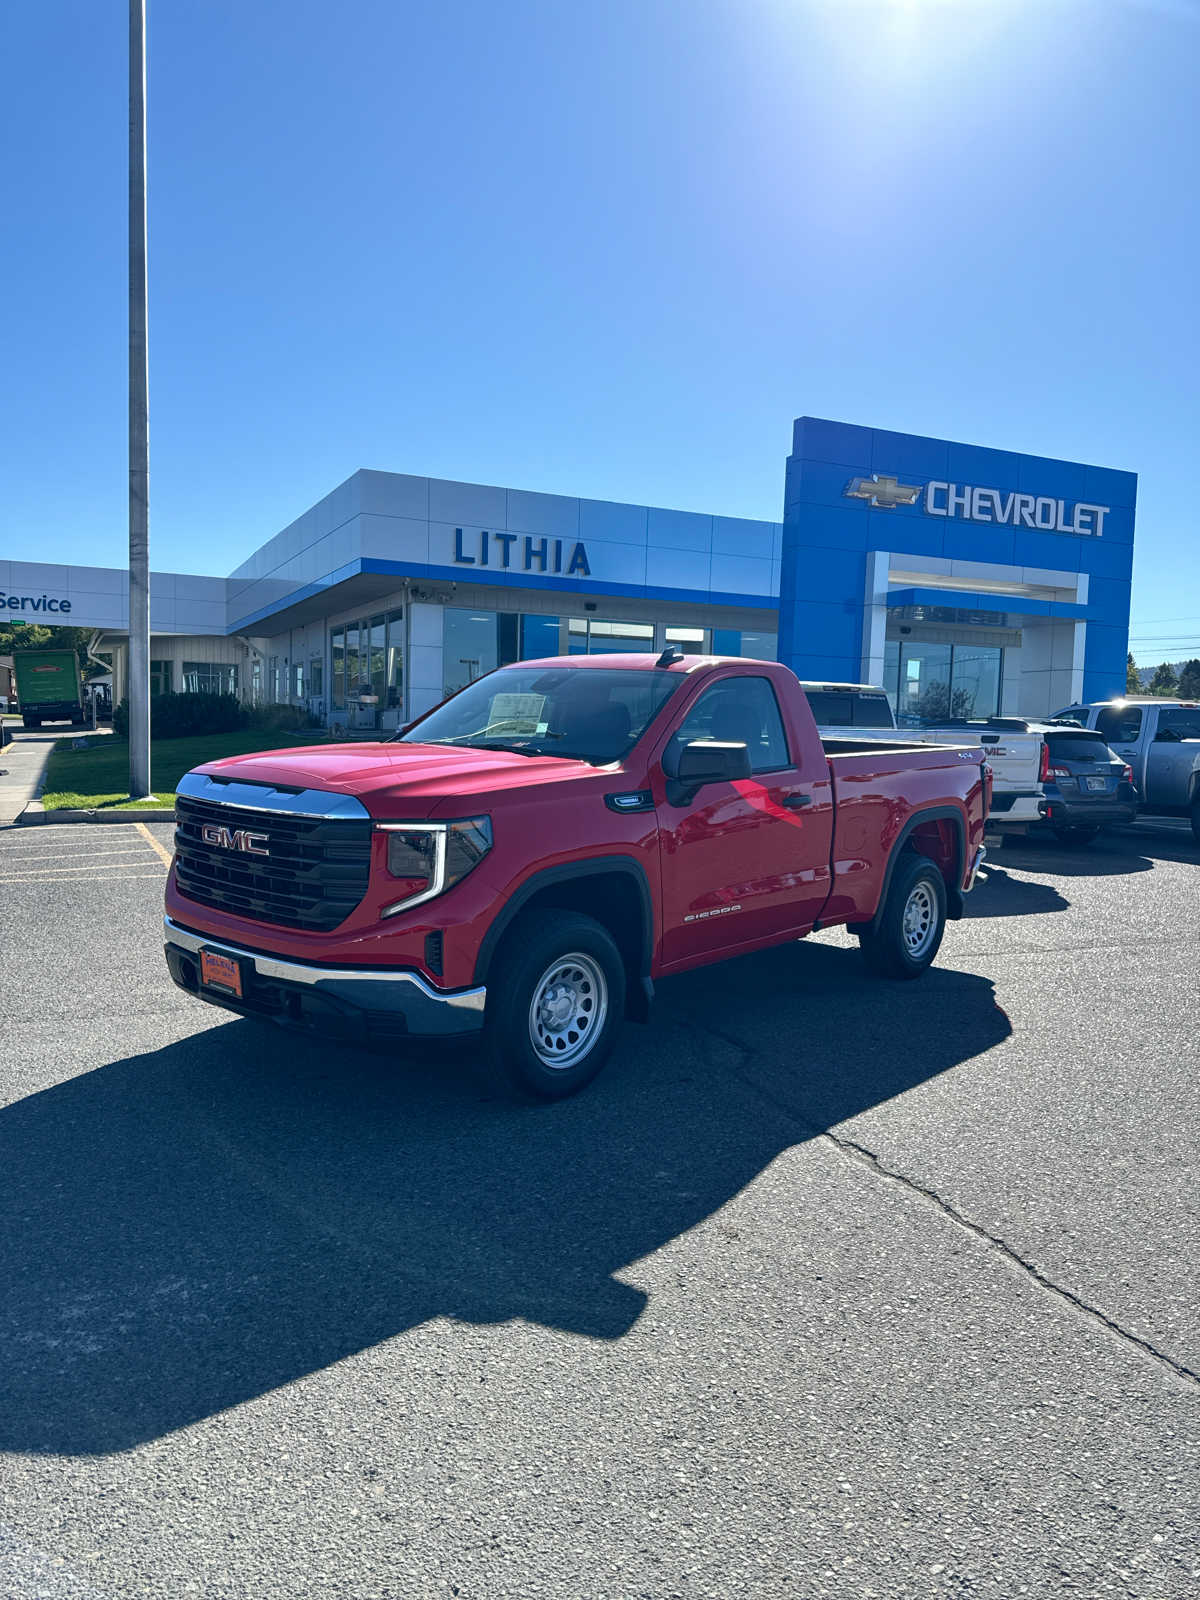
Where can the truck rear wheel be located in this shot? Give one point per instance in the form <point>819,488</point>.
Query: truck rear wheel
<point>1196,819</point>
<point>556,999</point>
<point>906,937</point>
<point>32,722</point>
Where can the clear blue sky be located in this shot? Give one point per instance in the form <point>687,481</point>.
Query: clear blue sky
<point>607,249</point>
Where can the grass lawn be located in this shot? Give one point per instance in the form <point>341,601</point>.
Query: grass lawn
<point>99,777</point>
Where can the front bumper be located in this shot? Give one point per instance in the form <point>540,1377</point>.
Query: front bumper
<point>355,1003</point>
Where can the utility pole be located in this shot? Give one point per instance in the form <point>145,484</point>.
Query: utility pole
<point>139,424</point>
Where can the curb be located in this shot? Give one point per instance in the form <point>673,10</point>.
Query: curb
<point>36,815</point>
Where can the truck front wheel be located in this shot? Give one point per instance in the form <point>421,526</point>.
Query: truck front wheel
<point>556,998</point>
<point>908,932</point>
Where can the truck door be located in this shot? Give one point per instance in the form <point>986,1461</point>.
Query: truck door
<point>1168,759</point>
<point>749,860</point>
<point>1122,728</point>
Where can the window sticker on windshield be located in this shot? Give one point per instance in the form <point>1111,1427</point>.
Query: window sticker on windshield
<point>519,713</point>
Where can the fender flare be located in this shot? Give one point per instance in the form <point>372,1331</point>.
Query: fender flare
<point>954,894</point>
<point>549,878</point>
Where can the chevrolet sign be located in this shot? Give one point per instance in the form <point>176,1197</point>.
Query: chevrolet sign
<point>982,505</point>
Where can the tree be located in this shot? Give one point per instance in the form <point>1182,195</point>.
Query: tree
<point>1133,678</point>
<point>1164,681</point>
<point>1189,680</point>
<point>39,636</point>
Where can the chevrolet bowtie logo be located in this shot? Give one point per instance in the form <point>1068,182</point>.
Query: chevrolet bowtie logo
<point>883,491</point>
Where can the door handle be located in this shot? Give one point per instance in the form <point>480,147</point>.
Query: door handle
<point>797,802</point>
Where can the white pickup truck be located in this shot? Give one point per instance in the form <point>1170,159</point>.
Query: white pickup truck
<point>1041,778</point>
<point>1160,739</point>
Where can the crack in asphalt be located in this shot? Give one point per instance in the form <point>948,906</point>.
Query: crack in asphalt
<point>851,1150</point>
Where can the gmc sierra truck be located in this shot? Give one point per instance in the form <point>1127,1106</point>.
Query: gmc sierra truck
<point>525,860</point>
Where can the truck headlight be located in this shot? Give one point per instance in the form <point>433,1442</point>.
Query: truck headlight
<point>427,858</point>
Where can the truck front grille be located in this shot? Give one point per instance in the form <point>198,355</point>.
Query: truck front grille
<point>313,875</point>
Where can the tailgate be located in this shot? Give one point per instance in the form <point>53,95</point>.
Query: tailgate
<point>1015,758</point>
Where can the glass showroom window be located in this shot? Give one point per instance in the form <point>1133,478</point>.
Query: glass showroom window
<point>210,677</point>
<point>375,672</point>
<point>932,683</point>
<point>752,644</point>
<point>975,680</point>
<point>298,682</point>
<point>589,636</point>
<point>539,637</point>
<point>316,677</point>
<point>692,641</point>
<point>469,647</point>
<point>337,657</point>
<point>356,680</point>
<point>160,677</point>
<point>394,675</point>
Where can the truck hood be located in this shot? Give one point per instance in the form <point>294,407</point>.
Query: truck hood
<point>393,778</point>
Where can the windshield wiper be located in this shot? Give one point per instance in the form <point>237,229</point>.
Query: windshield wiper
<point>471,743</point>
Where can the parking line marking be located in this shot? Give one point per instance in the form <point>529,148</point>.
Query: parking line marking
<point>80,874</point>
<point>163,855</point>
<point>72,855</point>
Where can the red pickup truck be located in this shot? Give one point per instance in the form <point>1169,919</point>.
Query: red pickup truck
<point>523,861</point>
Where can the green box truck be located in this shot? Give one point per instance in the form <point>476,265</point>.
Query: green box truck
<point>49,687</point>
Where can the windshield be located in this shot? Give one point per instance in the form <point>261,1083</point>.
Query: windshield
<point>583,714</point>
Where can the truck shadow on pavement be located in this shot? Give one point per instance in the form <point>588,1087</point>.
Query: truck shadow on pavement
<point>190,1228</point>
<point>1111,855</point>
<point>998,894</point>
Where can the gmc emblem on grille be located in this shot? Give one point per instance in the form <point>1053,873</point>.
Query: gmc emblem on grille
<point>253,844</point>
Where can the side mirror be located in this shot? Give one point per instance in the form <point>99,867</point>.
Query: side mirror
<point>704,761</point>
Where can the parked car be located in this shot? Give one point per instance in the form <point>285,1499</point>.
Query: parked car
<point>1085,785</point>
<point>1160,739</point>
<point>532,854</point>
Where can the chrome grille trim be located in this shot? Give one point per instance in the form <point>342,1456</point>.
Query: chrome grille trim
<point>243,796</point>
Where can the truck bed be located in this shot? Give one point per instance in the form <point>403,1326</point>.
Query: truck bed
<point>836,746</point>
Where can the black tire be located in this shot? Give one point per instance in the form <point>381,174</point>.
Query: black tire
<point>1196,819</point>
<point>1072,837</point>
<point>516,1042</point>
<point>888,948</point>
<point>32,722</point>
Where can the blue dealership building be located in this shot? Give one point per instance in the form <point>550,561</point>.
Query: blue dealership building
<point>968,581</point>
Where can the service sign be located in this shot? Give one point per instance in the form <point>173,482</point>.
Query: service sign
<point>968,503</point>
<point>39,603</point>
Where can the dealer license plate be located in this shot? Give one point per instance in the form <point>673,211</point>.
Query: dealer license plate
<point>221,972</point>
<point>1100,784</point>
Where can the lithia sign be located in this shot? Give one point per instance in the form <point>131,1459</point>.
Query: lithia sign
<point>549,556</point>
<point>981,505</point>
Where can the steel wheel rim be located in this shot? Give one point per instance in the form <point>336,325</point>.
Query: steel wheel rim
<point>920,919</point>
<point>568,1010</point>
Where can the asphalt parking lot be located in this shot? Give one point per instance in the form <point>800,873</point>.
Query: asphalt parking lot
<point>828,1286</point>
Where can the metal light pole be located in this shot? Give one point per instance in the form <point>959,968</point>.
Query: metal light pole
<point>139,426</point>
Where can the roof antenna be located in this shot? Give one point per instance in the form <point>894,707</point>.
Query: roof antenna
<point>670,656</point>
